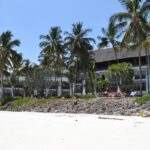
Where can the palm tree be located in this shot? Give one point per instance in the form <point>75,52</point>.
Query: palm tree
<point>92,78</point>
<point>26,67</point>
<point>52,51</point>
<point>120,72</point>
<point>109,38</point>
<point>15,69</point>
<point>135,20</point>
<point>146,47</point>
<point>28,70</point>
<point>78,46</point>
<point>7,54</point>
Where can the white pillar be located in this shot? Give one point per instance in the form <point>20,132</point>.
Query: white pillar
<point>0,92</point>
<point>95,92</point>
<point>59,91</point>
<point>83,87</point>
<point>148,84</point>
<point>72,89</point>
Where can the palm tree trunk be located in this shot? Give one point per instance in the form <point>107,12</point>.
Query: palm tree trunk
<point>83,87</point>
<point>59,89</point>
<point>55,85</point>
<point>147,61</point>
<point>2,87</point>
<point>61,81</point>
<point>73,89</point>
<point>148,71</point>
<point>12,90</point>
<point>119,85</point>
<point>140,72</point>
<point>84,84</point>
<point>115,51</point>
<point>94,87</point>
<point>116,57</point>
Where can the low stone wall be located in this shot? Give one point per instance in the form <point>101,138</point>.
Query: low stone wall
<point>105,106</point>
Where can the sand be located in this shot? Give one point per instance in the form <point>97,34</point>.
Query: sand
<point>45,131</point>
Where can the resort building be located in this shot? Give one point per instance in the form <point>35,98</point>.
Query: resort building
<point>105,57</point>
<point>47,84</point>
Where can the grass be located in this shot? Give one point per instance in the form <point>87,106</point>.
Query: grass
<point>6,99</point>
<point>30,102</point>
<point>19,102</point>
<point>143,99</point>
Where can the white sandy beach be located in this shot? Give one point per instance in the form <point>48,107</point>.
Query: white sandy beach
<point>39,131</point>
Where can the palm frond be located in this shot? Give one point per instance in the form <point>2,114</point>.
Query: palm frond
<point>145,9</point>
<point>14,43</point>
<point>103,42</point>
<point>122,16</point>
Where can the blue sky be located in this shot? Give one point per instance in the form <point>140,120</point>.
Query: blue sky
<point>27,19</point>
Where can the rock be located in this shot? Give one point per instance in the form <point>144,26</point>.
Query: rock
<point>144,114</point>
<point>106,106</point>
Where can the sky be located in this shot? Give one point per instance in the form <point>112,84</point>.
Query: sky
<point>28,19</point>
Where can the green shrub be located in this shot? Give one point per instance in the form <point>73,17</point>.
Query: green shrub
<point>52,97</point>
<point>102,85</point>
<point>68,96</point>
<point>127,88</point>
<point>20,102</point>
<point>6,99</point>
<point>17,102</point>
<point>58,97</point>
<point>143,99</point>
<point>19,98</point>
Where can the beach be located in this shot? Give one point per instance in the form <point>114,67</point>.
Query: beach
<point>48,131</point>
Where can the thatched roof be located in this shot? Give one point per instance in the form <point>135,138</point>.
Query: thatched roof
<point>103,55</point>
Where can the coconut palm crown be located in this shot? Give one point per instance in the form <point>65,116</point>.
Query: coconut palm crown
<point>9,57</point>
<point>79,44</point>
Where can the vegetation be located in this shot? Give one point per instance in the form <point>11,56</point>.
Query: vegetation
<point>78,46</point>
<point>110,39</point>
<point>19,101</point>
<point>102,85</point>
<point>146,47</point>
<point>52,52</point>
<point>32,102</point>
<point>6,99</point>
<point>135,26</point>
<point>69,54</point>
<point>122,73</point>
<point>143,99</point>
<point>9,58</point>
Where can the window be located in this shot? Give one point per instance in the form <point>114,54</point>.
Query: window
<point>136,74</point>
<point>137,88</point>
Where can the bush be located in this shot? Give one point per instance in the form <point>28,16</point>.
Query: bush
<point>68,96</point>
<point>127,88</point>
<point>102,85</point>
<point>6,99</point>
<point>58,97</point>
<point>143,99</point>
<point>17,102</point>
<point>19,98</point>
<point>20,102</point>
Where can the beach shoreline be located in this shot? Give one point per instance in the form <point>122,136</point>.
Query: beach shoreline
<point>44,131</point>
